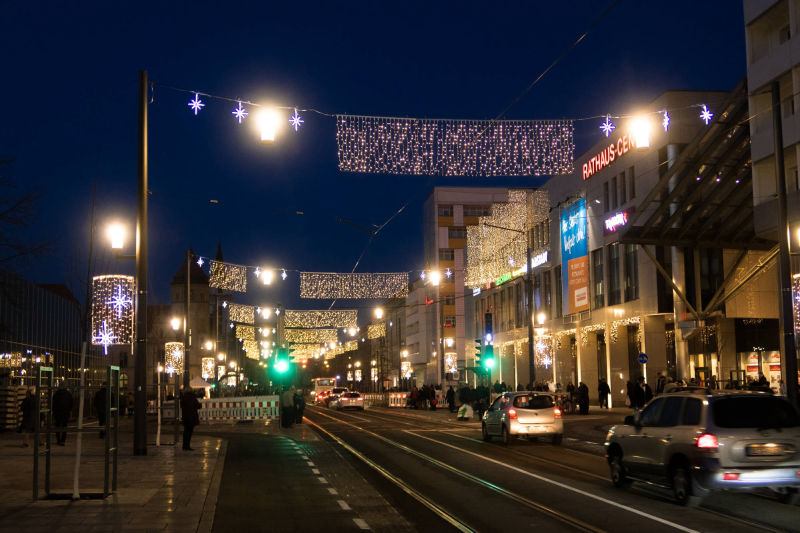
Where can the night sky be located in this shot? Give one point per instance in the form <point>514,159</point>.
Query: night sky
<point>69,117</point>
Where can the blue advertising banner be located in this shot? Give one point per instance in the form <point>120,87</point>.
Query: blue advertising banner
<point>574,258</point>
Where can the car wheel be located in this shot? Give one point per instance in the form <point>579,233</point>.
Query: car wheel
<point>557,438</point>
<point>789,496</point>
<point>505,436</point>
<point>485,433</point>
<point>618,476</point>
<point>682,487</point>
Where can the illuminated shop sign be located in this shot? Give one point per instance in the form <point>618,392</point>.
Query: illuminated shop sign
<point>616,221</point>
<point>502,279</point>
<point>623,145</point>
<point>539,259</point>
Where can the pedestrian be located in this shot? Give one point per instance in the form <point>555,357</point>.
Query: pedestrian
<point>414,396</point>
<point>642,394</point>
<point>299,406</point>
<point>603,390</point>
<point>583,398</point>
<point>191,416</point>
<point>630,394</point>
<point>62,406</point>
<point>28,408</point>
<point>712,382</point>
<point>287,408</point>
<point>432,398</point>
<point>660,383</point>
<point>100,402</point>
<point>450,398</point>
<point>670,385</point>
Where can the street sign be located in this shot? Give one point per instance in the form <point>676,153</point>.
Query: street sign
<point>643,358</point>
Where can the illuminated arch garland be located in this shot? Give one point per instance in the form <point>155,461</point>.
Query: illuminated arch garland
<point>376,331</point>
<point>227,276</point>
<point>321,319</point>
<point>332,285</point>
<point>310,336</point>
<point>241,313</point>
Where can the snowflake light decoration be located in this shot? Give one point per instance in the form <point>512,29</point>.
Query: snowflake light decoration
<point>239,113</point>
<point>706,115</point>
<point>547,361</point>
<point>608,126</point>
<point>105,337</point>
<point>448,273</point>
<point>196,104</point>
<point>283,275</point>
<point>200,262</point>
<point>295,121</point>
<point>665,120</point>
<point>120,301</point>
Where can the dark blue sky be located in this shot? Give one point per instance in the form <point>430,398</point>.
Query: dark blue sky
<point>68,113</point>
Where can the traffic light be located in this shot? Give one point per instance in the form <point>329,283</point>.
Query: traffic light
<point>282,362</point>
<point>488,357</point>
<point>487,321</point>
<point>478,350</point>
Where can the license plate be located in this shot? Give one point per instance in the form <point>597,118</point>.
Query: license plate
<point>537,429</point>
<point>764,450</point>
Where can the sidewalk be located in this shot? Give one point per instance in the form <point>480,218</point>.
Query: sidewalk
<point>169,489</point>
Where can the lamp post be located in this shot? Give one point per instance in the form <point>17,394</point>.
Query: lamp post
<point>529,296</point>
<point>140,349</point>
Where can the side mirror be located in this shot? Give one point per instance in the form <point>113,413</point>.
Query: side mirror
<point>629,421</point>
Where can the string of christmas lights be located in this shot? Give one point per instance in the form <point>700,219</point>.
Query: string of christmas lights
<point>320,319</point>
<point>796,302</point>
<point>173,357</point>
<point>310,336</point>
<point>112,310</point>
<point>332,285</point>
<point>376,331</point>
<point>564,333</point>
<point>444,147</point>
<point>242,313</point>
<point>630,321</point>
<point>11,360</point>
<point>251,349</point>
<point>585,330</point>
<point>245,333</point>
<point>207,367</point>
<point>227,276</point>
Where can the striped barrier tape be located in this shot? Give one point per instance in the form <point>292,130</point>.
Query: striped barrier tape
<point>245,408</point>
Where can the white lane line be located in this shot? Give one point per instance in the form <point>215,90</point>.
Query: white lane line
<point>361,523</point>
<point>322,480</point>
<point>311,463</point>
<point>563,486</point>
<point>304,457</point>
<point>315,470</point>
<point>333,491</point>
<point>343,505</point>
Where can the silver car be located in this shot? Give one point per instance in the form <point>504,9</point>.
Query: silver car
<point>348,400</point>
<point>527,414</point>
<point>696,442</point>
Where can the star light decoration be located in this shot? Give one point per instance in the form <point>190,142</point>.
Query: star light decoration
<point>105,337</point>
<point>332,285</point>
<point>120,301</point>
<point>295,121</point>
<point>112,305</point>
<point>665,120</point>
<point>196,104</point>
<point>239,113</point>
<point>608,126</point>
<point>448,273</point>
<point>200,262</point>
<point>444,147</point>
<point>706,115</point>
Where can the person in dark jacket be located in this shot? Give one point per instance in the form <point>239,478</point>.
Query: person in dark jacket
<point>450,398</point>
<point>28,408</point>
<point>583,398</point>
<point>299,405</point>
<point>191,416</point>
<point>62,406</point>
<point>603,390</point>
<point>100,398</point>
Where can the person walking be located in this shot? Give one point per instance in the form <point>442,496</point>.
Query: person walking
<point>28,408</point>
<point>450,398</point>
<point>299,406</point>
<point>62,406</point>
<point>583,398</point>
<point>432,398</point>
<point>603,390</point>
<point>100,402</point>
<point>191,416</point>
<point>287,408</point>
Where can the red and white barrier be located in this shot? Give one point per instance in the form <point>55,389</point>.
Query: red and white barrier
<point>245,408</point>
<point>398,399</point>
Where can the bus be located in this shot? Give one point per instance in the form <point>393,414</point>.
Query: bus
<point>322,385</point>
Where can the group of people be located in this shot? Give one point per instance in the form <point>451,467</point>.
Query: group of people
<point>424,398</point>
<point>61,406</point>
<point>293,403</point>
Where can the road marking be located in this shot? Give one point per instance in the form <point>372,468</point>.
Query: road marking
<point>360,522</point>
<point>315,471</point>
<point>311,463</point>
<point>564,486</point>
<point>322,479</point>
<point>397,481</point>
<point>343,505</point>
<point>304,457</point>
<point>333,491</point>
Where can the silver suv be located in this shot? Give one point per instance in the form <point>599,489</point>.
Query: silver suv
<point>695,441</point>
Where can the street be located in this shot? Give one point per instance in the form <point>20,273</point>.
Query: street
<point>399,470</point>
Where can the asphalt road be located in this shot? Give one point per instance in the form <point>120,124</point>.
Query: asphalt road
<point>439,473</point>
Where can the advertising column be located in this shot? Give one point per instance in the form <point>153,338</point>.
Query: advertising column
<point>574,258</point>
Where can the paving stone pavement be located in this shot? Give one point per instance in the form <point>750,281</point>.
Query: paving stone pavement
<point>167,490</point>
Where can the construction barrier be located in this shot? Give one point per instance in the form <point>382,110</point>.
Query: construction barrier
<point>245,408</point>
<point>398,399</point>
<point>374,399</point>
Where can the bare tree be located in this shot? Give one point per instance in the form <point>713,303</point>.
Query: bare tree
<point>17,212</point>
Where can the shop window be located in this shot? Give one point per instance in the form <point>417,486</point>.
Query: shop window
<point>631,272</point>
<point>614,293</point>
<point>597,279</point>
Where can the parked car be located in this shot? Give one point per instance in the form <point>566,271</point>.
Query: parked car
<point>348,400</point>
<point>523,414</point>
<point>695,442</point>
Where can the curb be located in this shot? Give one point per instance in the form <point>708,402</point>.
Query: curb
<point>210,504</point>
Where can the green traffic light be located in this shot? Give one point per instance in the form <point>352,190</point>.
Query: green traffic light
<point>488,363</point>
<point>282,366</point>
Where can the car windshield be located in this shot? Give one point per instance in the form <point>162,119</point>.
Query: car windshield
<point>754,412</point>
<point>534,402</point>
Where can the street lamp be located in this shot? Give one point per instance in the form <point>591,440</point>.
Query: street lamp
<point>175,322</point>
<point>378,313</point>
<point>116,234</point>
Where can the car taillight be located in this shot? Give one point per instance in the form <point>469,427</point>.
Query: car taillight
<point>730,476</point>
<point>707,440</point>
<point>557,412</point>
<point>360,399</point>
<point>512,413</point>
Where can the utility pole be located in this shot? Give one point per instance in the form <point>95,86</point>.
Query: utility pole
<point>187,332</point>
<point>140,372</point>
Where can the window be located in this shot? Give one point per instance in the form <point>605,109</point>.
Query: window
<point>606,205</point>
<point>649,416</point>
<point>557,312</point>
<point>597,278</point>
<point>448,299</point>
<point>691,412</point>
<point>622,189</point>
<point>449,321</point>
<point>547,293</point>
<point>671,412</point>
<point>614,296</point>
<point>614,193</point>
<point>538,401</point>
<point>445,210</point>
<point>784,34</point>
<point>631,272</point>
<point>755,412</point>
<point>446,254</point>
<point>477,211</point>
<point>631,183</point>
<point>457,233</point>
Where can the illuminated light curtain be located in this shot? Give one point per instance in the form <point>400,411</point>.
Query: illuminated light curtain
<point>173,357</point>
<point>207,367</point>
<point>246,333</point>
<point>405,368</point>
<point>251,349</point>
<point>796,302</point>
<point>332,285</point>
<point>321,319</point>
<point>221,370</point>
<point>242,313</point>
<point>310,336</point>
<point>440,147</point>
<point>11,360</point>
<point>227,276</point>
<point>112,309</point>
<point>376,331</point>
